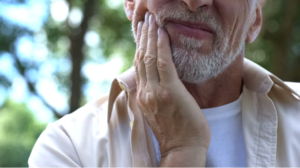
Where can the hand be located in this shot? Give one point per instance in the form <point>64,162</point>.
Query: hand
<point>173,114</point>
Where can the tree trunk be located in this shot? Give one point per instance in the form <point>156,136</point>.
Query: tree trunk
<point>77,42</point>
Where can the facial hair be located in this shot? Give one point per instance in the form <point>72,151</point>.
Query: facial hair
<point>192,65</point>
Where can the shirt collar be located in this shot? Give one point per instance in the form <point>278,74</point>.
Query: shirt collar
<point>255,78</point>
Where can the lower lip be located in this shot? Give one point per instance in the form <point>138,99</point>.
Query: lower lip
<point>188,31</point>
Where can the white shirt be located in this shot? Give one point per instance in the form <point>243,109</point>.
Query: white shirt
<point>227,146</point>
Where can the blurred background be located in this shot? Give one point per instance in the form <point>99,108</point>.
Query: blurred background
<point>56,55</point>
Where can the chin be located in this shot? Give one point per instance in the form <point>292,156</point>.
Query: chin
<point>195,66</point>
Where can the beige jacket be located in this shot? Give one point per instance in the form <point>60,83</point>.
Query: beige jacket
<point>101,133</point>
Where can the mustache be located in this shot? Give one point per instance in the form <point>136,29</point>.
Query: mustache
<point>162,17</point>
<point>185,15</point>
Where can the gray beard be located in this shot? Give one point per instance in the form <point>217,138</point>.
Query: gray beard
<point>193,66</point>
<point>196,67</point>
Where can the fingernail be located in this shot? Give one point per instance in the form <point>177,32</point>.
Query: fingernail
<point>147,17</point>
<point>151,18</point>
<point>160,31</point>
<point>139,28</point>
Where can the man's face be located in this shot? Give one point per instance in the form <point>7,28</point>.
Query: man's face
<point>206,35</point>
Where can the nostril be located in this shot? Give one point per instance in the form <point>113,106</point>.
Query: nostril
<point>194,5</point>
<point>183,4</point>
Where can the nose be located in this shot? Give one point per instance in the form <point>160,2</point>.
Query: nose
<point>195,4</point>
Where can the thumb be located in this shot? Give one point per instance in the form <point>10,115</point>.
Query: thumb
<point>165,65</point>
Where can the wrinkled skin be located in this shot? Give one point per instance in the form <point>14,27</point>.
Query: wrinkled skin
<point>161,93</point>
<point>171,107</point>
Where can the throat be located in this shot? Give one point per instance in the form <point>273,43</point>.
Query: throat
<point>221,90</point>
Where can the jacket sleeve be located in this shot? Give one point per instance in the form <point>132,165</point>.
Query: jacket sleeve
<point>295,87</point>
<point>54,149</point>
<point>79,139</point>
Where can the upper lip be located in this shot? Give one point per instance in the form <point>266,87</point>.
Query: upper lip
<point>201,26</point>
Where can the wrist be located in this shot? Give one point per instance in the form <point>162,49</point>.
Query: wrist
<point>185,157</point>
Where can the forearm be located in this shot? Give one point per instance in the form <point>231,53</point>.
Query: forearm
<point>185,157</point>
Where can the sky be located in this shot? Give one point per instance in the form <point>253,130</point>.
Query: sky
<point>33,15</point>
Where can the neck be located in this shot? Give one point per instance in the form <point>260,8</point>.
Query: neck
<point>221,90</point>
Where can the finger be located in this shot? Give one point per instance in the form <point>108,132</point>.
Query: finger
<point>151,55</point>
<point>139,31</point>
<point>137,78</point>
<point>165,65</point>
<point>142,51</point>
<point>135,61</point>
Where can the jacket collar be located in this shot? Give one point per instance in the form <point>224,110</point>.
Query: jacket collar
<point>260,80</point>
<point>256,79</point>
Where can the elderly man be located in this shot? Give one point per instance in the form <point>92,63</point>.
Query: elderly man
<point>192,99</point>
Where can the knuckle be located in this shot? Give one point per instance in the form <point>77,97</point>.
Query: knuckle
<point>153,30</point>
<point>145,32</point>
<point>135,62</point>
<point>147,100</point>
<point>160,45</point>
<point>165,97</point>
<point>139,97</point>
<point>151,35</point>
<point>149,58</point>
<point>161,64</point>
<point>148,88</point>
<point>150,100</point>
<point>141,53</point>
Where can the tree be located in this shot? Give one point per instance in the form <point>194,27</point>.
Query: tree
<point>97,16</point>
<point>19,130</point>
<point>277,48</point>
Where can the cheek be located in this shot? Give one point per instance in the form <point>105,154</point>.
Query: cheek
<point>142,6</point>
<point>233,15</point>
<point>157,5</point>
<point>139,13</point>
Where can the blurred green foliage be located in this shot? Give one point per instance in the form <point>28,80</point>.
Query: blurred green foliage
<point>277,49</point>
<point>19,129</point>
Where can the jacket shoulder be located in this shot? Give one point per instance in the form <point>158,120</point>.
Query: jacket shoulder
<point>294,85</point>
<point>71,141</point>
